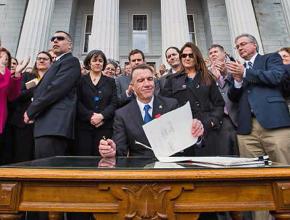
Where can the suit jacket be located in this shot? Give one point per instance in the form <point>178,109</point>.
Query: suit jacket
<point>206,102</point>
<point>232,107</point>
<point>55,98</point>
<point>128,123</point>
<point>101,98</point>
<point>285,84</point>
<point>122,83</point>
<point>260,95</point>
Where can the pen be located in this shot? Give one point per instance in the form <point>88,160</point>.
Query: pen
<point>143,145</point>
<point>104,138</point>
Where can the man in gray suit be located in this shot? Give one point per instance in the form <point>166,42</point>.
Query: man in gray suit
<point>54,101</point>
<point>227,135</point>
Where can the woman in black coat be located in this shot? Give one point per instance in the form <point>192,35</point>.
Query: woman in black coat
<point>195,84</point>
<point>97,101</point>
<point>23,141</point>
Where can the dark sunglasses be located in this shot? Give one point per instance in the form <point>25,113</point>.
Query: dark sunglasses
<point>59,38</point>
<point>184,55</point>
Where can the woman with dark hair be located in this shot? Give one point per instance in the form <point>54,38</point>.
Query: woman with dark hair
<point>9,90</point>
<point>195,84</point>
<point>23,141</point>
<point>97,101</point>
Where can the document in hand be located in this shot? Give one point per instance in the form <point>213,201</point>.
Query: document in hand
<point>171,132</point>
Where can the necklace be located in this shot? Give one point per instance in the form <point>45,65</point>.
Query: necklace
<point>95,78</point>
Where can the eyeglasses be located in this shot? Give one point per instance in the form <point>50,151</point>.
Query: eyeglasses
<point>42,58</point>
<point>242,45</point>
<point>59,38</point>
<point>184,55</point>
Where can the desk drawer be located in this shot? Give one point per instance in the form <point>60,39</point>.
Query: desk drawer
<point>282,195</point>
<point>9,196</point>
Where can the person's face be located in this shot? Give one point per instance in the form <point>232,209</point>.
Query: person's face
<point>216,54</point>
<point>136,60</point>
<point>172,57</point>
<point>3,58</point>
<point>53,55</point>
<point>143,84</point>
<point>96,64</point>
<point>60,44</point>
<point>13,65</point>
<point>187,58</point>
<point>110,70</point>
<point>128,69</point>
<point>285,57</point>
<point>246,48</point>
<point>42,62</point>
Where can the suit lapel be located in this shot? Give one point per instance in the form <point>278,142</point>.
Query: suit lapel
<point>158,108</point>
<point>136,116</point>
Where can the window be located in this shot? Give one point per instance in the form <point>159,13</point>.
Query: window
<point>140,33</point>
<point>191,27</point>
<point>88,32</point>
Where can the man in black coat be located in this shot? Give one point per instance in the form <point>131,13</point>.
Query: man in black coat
<point>128,132</point>
<point>54,103</point>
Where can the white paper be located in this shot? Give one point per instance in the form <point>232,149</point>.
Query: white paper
<point>171,132</point>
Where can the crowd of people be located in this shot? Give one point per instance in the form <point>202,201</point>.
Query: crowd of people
<point>63,108</point>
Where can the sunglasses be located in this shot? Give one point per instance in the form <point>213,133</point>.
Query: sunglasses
<point>184,55</point>
<point>59,38</point>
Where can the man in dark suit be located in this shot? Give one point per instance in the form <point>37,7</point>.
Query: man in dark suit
<point>128,135</point>
<point>124,89</point>
<point>54,103</point>
<point>263,119</point>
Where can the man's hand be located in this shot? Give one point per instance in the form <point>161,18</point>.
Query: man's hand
<point>130,90</point>
<point>107,148</point>
<point>197,129</point>
<point>26,119</point>
<point>236,69</point>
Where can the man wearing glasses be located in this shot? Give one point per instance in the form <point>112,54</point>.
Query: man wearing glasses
<point>54,101</point>
<point>263,118</point>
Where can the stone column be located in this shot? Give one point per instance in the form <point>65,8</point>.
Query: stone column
<point>286,12</point>
<point>36,28</point>
<point>174,24</point>
<point>241,17</point>
<point>105,29</point>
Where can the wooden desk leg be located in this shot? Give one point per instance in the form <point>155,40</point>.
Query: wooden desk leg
<point>10,216</point>
<point>55,215</point>
<point>187,216</point>
<point>281,216</point>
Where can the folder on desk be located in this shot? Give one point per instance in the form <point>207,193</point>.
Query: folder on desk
<point>219,161</point>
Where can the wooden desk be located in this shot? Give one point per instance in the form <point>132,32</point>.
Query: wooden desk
<point>143,193</point>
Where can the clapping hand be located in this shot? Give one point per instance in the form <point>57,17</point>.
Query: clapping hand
<point>236,69</point>
<point>21,66</point>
